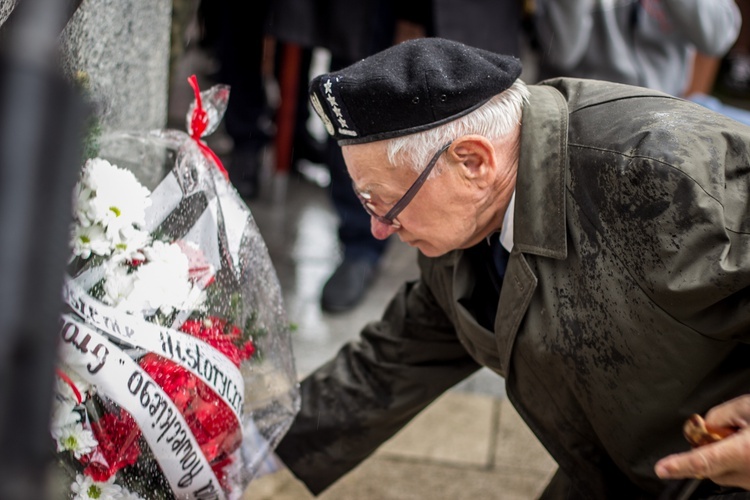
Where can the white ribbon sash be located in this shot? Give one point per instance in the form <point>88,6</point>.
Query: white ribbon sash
<point>105,365</point>
<point>202,359</point>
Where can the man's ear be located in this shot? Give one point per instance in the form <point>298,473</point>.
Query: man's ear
<point>475,155</point>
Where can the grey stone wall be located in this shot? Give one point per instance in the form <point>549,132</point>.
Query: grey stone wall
<point>6,6</point>
<point>123,46</point>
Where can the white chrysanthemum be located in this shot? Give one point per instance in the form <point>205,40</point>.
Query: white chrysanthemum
<point>118,285</point>
<point>130,244</point>
<point>167,253</point>
<point>162,283</point>
<point>86,240</point>
<point>63,415</point>
<point>76,439</point>
<point>119,199</point>
<point>82,203</point>
<point>86,488</point>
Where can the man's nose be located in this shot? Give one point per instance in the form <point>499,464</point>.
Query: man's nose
<point>379,230</point>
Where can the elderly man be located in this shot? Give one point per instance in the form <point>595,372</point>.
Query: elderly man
<point>587,241</point>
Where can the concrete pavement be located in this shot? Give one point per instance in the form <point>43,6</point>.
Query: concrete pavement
<point>464,446</point>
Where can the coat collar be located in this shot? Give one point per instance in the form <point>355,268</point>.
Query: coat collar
<point>542,169</point>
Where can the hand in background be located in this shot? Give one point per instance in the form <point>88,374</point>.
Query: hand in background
<point>725,462</point>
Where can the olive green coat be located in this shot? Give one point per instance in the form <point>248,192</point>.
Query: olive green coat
<point>625,305</point>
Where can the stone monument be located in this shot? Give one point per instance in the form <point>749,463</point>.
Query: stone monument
<point>123,46</point>
<point>6,6</point>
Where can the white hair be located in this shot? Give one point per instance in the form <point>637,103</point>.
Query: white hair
<point>495,119</point>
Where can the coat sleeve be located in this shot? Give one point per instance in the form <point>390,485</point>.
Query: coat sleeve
<point>373,387</point>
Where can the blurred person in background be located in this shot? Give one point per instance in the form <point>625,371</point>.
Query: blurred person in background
<point>233,32</point>
<point>648,43</point>
<point>734,76</point>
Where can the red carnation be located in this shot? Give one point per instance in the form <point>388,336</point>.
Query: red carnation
<point>222,336</point>
<point>248,350</point>
<point>118,446</point>
<point>210,419</point>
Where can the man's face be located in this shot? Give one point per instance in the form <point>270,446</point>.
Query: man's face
<point>444,214</point>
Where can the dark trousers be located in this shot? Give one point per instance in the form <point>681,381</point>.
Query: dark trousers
<point>234,31</point>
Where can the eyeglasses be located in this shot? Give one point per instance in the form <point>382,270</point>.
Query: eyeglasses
<point>389,219</point>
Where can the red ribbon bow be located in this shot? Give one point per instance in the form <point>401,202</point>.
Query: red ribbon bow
<point>198,124</point>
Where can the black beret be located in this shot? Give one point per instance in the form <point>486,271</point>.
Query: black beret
<point>413,86</point>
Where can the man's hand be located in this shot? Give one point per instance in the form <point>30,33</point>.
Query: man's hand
<point>725,462</point>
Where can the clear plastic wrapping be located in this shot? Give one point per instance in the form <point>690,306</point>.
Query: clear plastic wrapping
<point>176,377</point>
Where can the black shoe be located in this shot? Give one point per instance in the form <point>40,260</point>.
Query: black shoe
<point>347,285</point>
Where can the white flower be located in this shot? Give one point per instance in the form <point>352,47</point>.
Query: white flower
<point>63,415</point>
<point>118,284</point>
<point>86,488</point>
<point>82,203</point>
<point>76,439</point>
<point>119,199</point>
<point>167,253</point>
<point>130,244</point>
<point>86,240</point>
<point>162,283</point>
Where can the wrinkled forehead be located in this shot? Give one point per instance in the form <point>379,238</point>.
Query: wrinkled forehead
<point>368,165</point>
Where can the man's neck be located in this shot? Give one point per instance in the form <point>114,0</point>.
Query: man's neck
<point>505,183</point>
